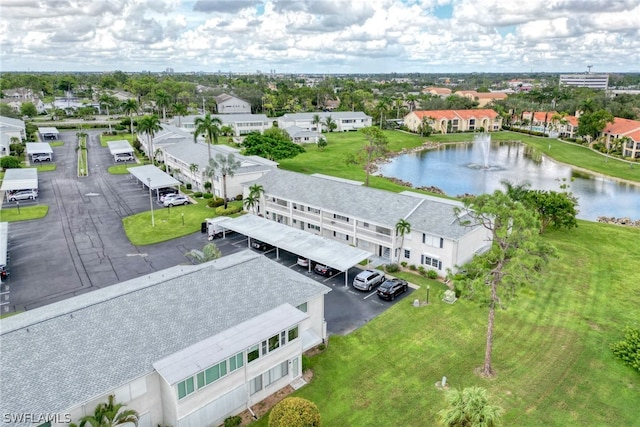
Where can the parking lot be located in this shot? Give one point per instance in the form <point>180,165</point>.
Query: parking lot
<point>81,246</point>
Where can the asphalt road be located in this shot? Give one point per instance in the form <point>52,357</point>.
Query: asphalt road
<point>81,246</point>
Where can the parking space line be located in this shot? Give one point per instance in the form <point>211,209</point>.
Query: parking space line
<point>372,293</point>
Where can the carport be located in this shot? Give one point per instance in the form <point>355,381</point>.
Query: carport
<point>317,248</point>
<point>154,178</point>
<point>20,179</point>
<point>48,132</point>
<point>34,148</point>
<point>120,147</point>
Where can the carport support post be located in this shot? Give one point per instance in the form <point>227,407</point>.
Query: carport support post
<point>153,220</point>
<point>346,278</point>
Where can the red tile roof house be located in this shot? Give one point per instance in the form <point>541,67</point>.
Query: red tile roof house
<point>483,98</point>
<point>442,92</point>
<point>566,127</point>
<point>447,121</point>
<point>628,129</point>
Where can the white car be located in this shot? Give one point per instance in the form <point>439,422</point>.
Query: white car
<point>178,199</point>
<point>23,195</point>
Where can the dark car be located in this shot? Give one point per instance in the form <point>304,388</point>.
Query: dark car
<point>262,246</point>
<point>324,270</point>
<point>391,288</point>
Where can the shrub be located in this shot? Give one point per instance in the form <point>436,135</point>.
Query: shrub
<point>422,270</point>
<point>197,194</point>
<point>412,267</point>
<point>404,264</point>
<point>207,185</point>
<point>188,184</point>
<point>229,211</point>
<point>391,268</point>
<point>215,202</point>
<point>305,362</point>
<point>236,420</point>
<point>629,349</point>
<point>294,411</point>
<point>207,196</point>
<point>18,148</point>
<point>9,162</point>
<point>432,274</point>
<point>238,197</point>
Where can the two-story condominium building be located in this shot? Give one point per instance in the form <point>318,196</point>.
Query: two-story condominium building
<point>448,121</point>
<point>229,104</point>
<point>482,98</point>
<point>628,132</point>
<point>366,218</point>
<point>345,120</point>
<point>10,128</point>
<point>241,124</point>
<point>187,346</point>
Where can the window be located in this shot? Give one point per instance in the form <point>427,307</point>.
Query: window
<point>302,307</point>
<point>293,333</point>
<point>253,353</point>
<point>274,342</point>
<point>235,362</point>
<point>436,242</point>
<point>185,388</point>
<point>427,260</point>
<point>277,372</point>
<point>255,385</point>
<point>407,253</point>
<point>313,227</point>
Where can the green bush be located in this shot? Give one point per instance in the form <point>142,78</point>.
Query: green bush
<point>17,149</point>
<point>391,268</point>
<point>629,349</point>
<point>214,203</point>
<point>412,267</point>
<point>188,184</point>
<point>236,420</point>
<point>229,211</point>
<point>238,197</point>
<point>305,362</point>
<point>9,162</point>
<point>432,274</point>
<point>207,196</point>
<point>422,270</point>
<point>294,412</point>
<point>197,194</point>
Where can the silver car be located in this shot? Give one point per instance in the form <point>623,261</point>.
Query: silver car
<point>23,195</point>
<point>178,199</point>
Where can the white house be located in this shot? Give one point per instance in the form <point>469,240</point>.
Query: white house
<point>10,128</point>
<point>186,346</point>
<point>345,120</point>
<point>241,124</point>
<point>366,218</point>
<point>303,136</point>
<point>229,104</point>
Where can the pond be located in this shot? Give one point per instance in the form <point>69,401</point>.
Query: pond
<point>478,167</point>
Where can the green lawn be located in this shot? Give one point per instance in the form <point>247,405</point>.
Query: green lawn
<point>10,214</point>
<point>551,347</point>
<point>168,222</point>
<point>106,138</point>
<point>122,168</point>
<point>57,143</point>
<point>47,168</point>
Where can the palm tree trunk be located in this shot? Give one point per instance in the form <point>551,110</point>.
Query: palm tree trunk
<point>224,189</point>
<point>486,367</point>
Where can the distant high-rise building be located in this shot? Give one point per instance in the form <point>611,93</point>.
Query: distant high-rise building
<point>593,81</point>
<point>169,70</point>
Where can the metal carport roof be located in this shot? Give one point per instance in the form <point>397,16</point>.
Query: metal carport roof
<point>48,131</point>
<point>20,179</point>
<point>158,178</point>
<point>39,148</point>
<point>317,248</point>
<point>120,147</point>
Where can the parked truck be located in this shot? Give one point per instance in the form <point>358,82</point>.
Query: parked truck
<point>215,227</point>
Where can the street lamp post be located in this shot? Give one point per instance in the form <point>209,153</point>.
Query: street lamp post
<point>153,220</point>
<point>428,288</point>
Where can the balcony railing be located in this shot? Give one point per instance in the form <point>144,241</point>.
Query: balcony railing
<point>338,225</point>
<point>379,237</point>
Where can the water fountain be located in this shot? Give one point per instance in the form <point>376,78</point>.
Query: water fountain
<point>483,140</point>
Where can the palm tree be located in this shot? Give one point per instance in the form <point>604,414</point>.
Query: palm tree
<point>193,168</point>
<point>163,100</point>
<point>412,99</point>
<point>210,128</point>
<point>382,107</point>
<point>330,124</point>
<point>402,228</point>
<point>150,125</point>
<point>179,110</point>
<point>470,408</point>
<point>228,167</point>
<point>129,107</point>
<point>317,121</point>
<point>210,172</point>
<point>108,415</point>
<point>252,200</point>
<point>107,101</point>
<point>208,253</point>
<point>398,103</point>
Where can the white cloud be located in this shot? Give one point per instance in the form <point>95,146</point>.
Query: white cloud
<point>320,35</point>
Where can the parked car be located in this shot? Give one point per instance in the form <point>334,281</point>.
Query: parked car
<point>164,192</point>
<point>124,157</point>
<point>324,270</point>
<point>304,262</point>
<point>368,279</point>
<point>23,195</point>
<point>179,199</point>
<point>391,288</point>
<point>41,157</point>
<point>257,244</point>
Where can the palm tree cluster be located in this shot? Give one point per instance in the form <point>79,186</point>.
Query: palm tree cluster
<point>109,414</point>
<point>252,201</point>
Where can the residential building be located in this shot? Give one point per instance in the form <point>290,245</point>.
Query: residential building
<point>442,92</point>
<point>229,104</point>
<point>188,161</point>
<point>10,128</point>
<point>241,124</point>
<point>366,218</point>
<point>550,122</point>
<point>303,136</point>
<point>593,81</point>
<point>448,121</point>
<point>627,132</point>
<point>186,346</point>
<point>482,98</point>
<point>345,120</point>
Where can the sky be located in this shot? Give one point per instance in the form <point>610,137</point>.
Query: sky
<point>320,36</point>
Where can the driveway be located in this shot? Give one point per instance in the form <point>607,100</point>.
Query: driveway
<point>80,245</point>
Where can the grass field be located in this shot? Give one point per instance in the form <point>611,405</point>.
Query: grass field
<point>122,168</point>
<point>106,138</point>
<point>551,348</point>
<point>24,214</point>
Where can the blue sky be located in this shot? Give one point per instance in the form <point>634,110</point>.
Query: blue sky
<point>320,36</point>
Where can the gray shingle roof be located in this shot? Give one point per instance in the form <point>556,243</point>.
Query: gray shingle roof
<point>190,152</point>
<point>424,213</point>
<point>325,114</point>
<point>68,352</point>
